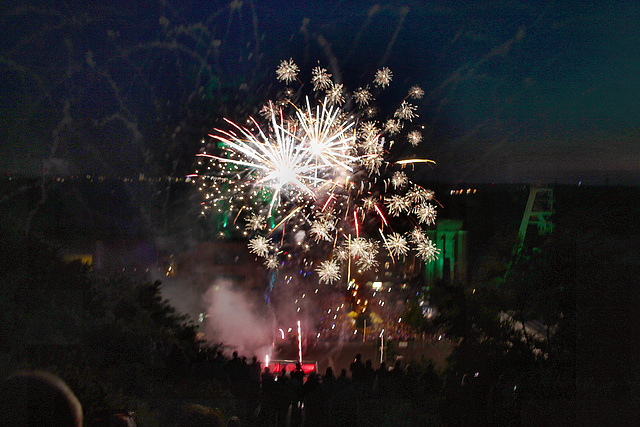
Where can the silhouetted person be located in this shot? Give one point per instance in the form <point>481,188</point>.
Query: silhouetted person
<point>368,376</point>
<point>396,379</point>
<point>468,400</point>
<point>39,399</point>
<point>343,381</point>
<point>298,374</point>
<point>219,367</point>
<point>283,398</point>
<point>357,369</point>
<point>343,407</point>
<point>254,370</point>
<point>314,401</point>
<point>268,396</point>
<point>502,403</point>
<point>245,371</point>
<point>234,367</point>
<point>296,382</point>
<point>329,382</point>
<point>431,380</point>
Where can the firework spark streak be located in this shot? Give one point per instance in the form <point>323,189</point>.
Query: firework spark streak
<point>384,220</point>
<point>289,215</point>
<point>355,220</point>
<point>329,141</point>
<point>299,342</point>
<point>387,245</point>
<point>409,161</point>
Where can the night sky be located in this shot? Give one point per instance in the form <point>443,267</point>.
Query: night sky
<point>515,91</point>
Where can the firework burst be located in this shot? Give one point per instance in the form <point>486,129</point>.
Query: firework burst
<point>287,71</point>
<point>316,176</point>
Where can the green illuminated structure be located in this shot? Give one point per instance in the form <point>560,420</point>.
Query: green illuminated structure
<point>451,265</point>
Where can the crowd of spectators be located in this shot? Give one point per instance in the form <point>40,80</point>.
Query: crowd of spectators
<point>361,394</point>
<point>358,395</point>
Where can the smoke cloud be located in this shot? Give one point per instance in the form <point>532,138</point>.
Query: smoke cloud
<point>237,320</point>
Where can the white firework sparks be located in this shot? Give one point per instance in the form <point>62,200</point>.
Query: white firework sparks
<point>266,111</point>
<point>272,262</point>
<point>361,247</point>
<point>255,222</point>
<point>368,203</point>
<point>426,213</point>
<point>416,92</point>
<point>414,137</point>
<point>370,111</point>
<point>372,146</point>
<point>406,111</point>
<point>362,97</point>
<point>279,160</point>
<point>328,272</point>
<point>335,95</point>
<point>416,236</point>
<point>329,139</point>
<point>397,244</point>
<point>419,195</point>
<point>322,229</point>
<point>427,250</point>
<point>399,179</point>
<point>260,246</point>
<point>368,261</point>
<point>342,253</point>
<point>308,167</point>
<point>320,78</point>
<point>392,127</point>
<point>287,71</point>
<point>397,204</point>
<point>368,130</point>
<point>372,163</point>
<point>383,77</point>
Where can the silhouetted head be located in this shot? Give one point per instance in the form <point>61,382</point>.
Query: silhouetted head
<point>38,399</point>
<point>193,415</point>
<point>122,419</point>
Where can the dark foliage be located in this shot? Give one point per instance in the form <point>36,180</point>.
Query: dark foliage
<point>115,341</point>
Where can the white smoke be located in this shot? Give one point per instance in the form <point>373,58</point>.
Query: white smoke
<point>236,319</point>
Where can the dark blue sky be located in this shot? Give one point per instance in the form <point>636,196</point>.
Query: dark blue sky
<point>516,91</point>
